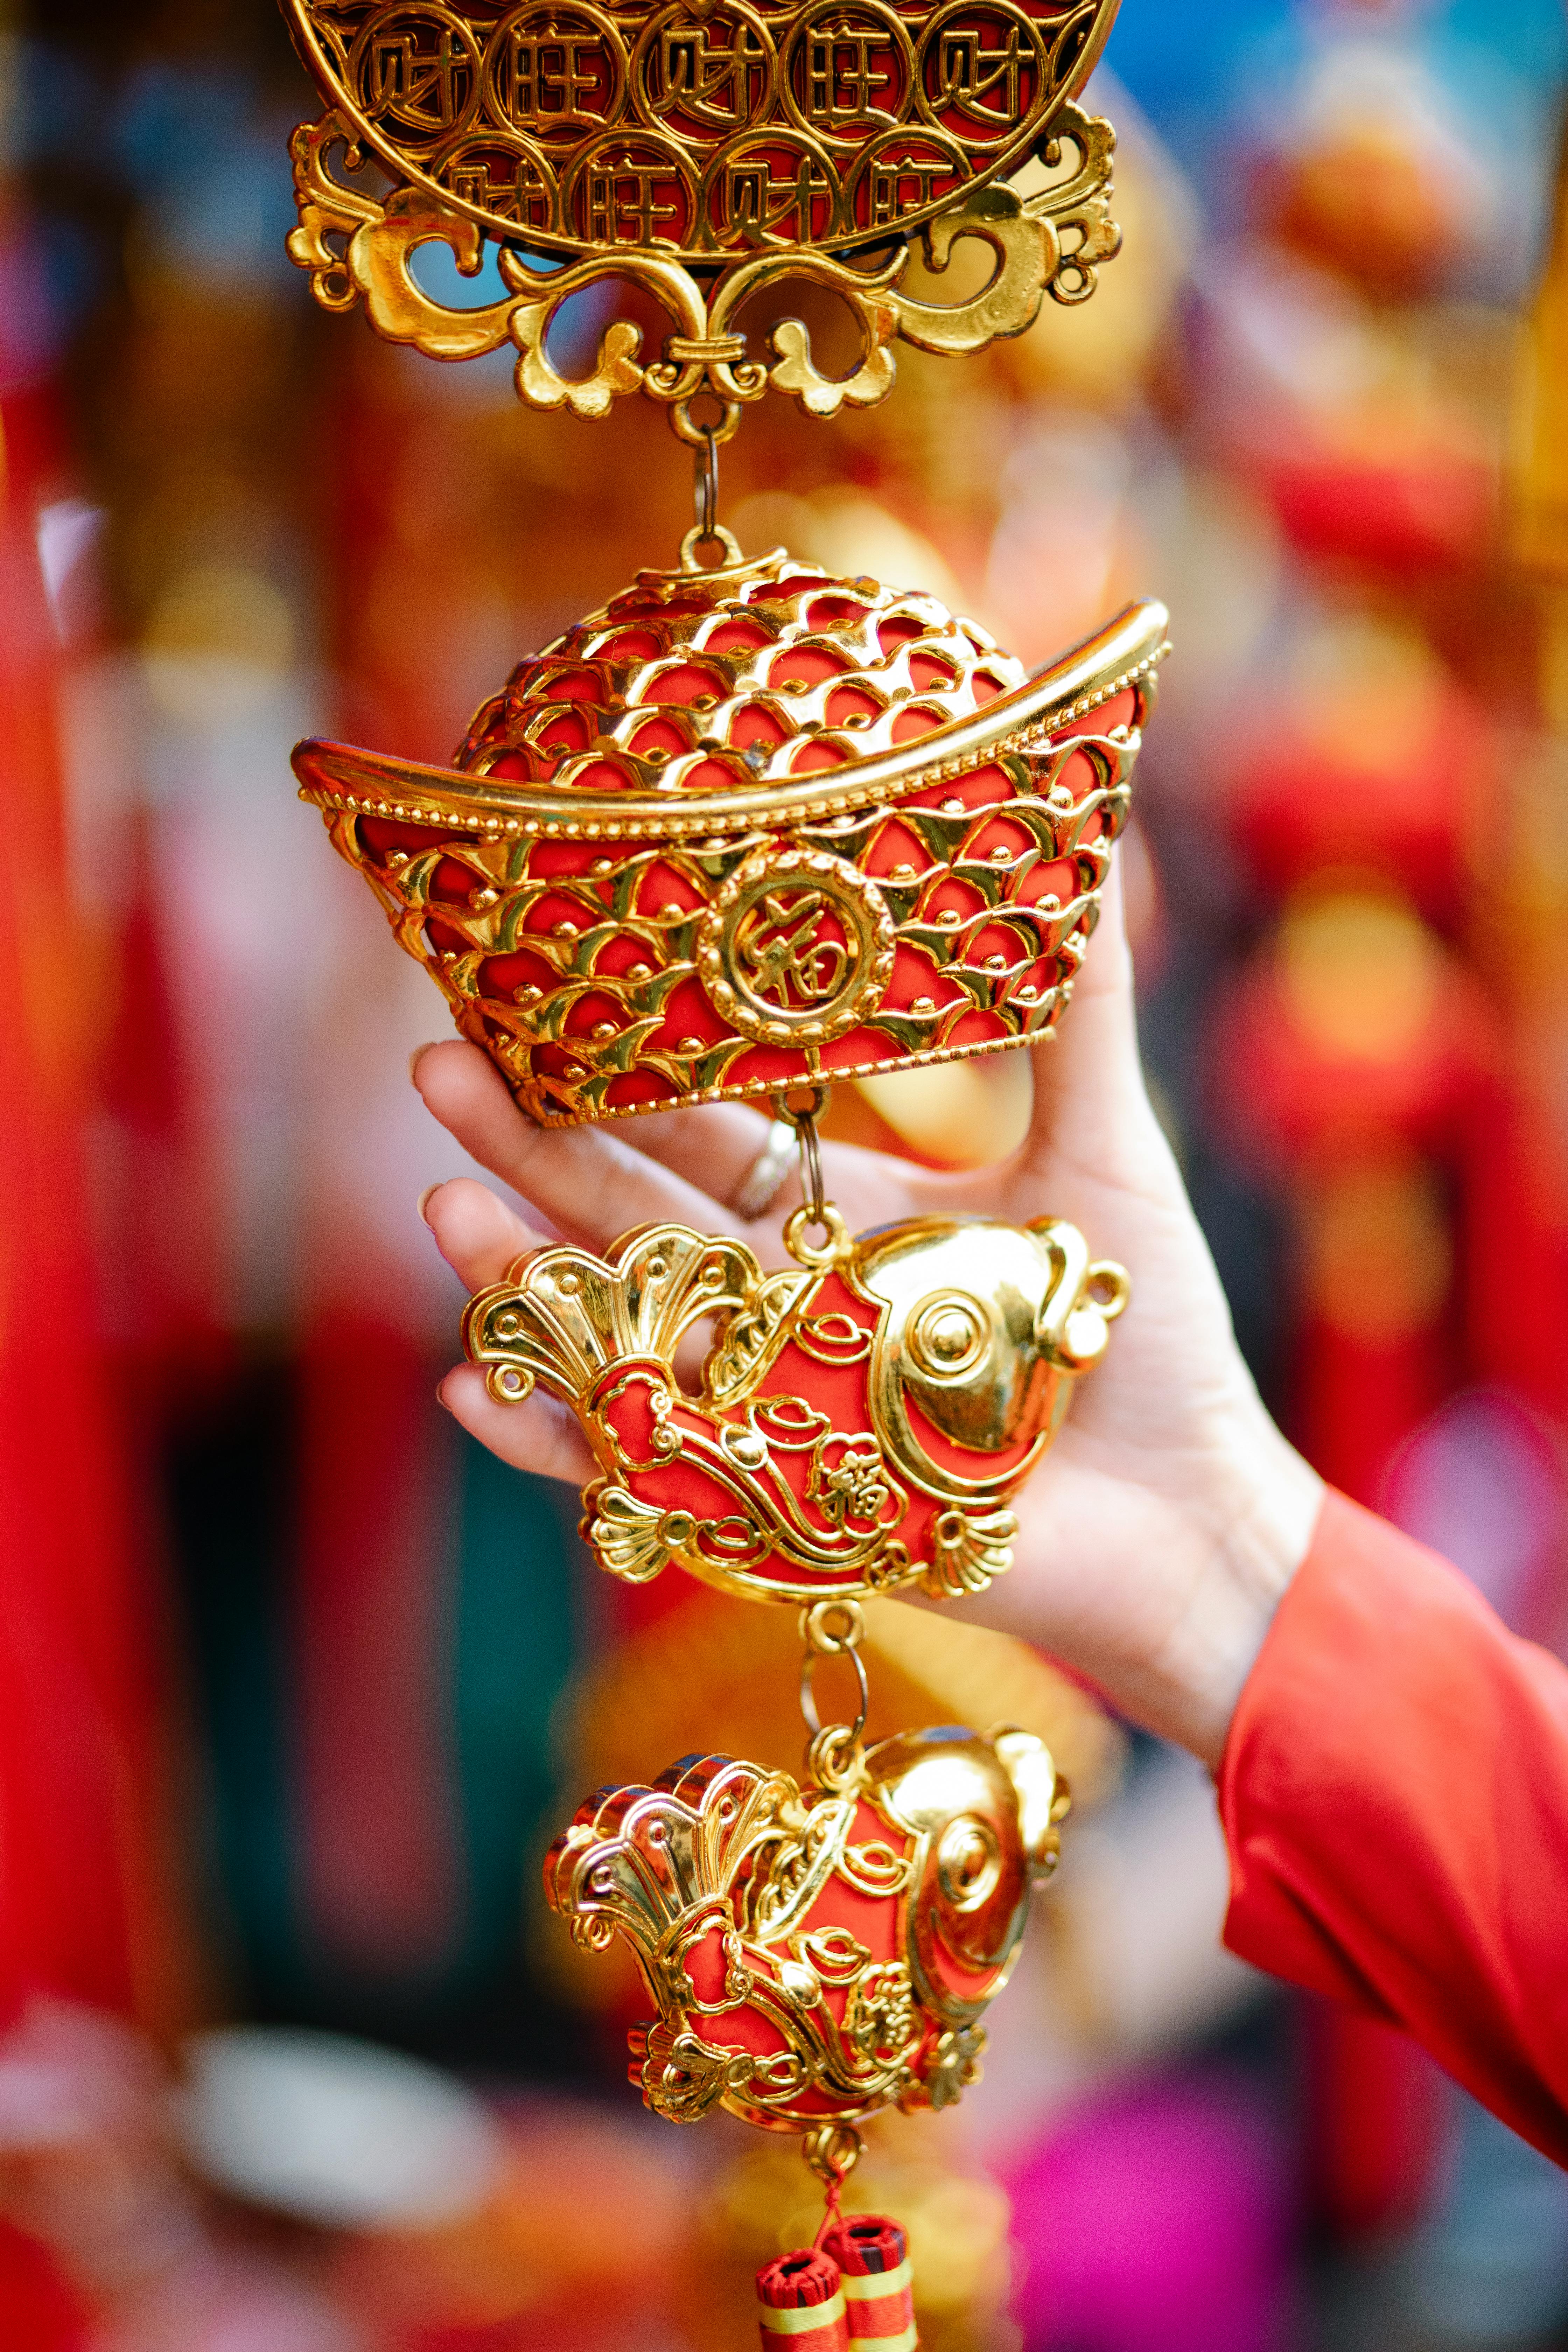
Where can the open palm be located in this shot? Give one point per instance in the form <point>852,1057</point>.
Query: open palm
<point>1158,1534</point>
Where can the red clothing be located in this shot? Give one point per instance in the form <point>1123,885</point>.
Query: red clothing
<point>1394,1793</point>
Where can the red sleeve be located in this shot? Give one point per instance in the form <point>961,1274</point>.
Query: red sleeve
<point>1394,1793</point>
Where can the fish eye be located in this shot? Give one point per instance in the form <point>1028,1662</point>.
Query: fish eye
<point>968,1861</point>
<point>947,1334</point>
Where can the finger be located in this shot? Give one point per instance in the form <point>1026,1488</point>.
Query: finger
<point>594,1183</point>
<point>480,1237</point>
<point>1101,1019</point>
<point>714,1145</point>
<point>1091,1099</point>
<point>539,1434</point>
<point>586,1180</point>
<point>868,1187</point>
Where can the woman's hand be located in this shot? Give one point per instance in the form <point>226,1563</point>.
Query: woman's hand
<point>1158,1533</point>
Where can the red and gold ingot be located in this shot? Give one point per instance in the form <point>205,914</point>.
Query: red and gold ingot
<point>800,2304</point>
<point>878,2280</point>
<point>753,827</point>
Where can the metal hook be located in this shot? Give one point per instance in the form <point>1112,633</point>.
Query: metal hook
<point>705,483</point>
<point>803,1122</point>
<point>832,2151</point>
<point>814,1723</point>
<point>833,1628</point>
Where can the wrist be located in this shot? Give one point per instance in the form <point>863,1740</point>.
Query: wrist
<point>1254,1525</point>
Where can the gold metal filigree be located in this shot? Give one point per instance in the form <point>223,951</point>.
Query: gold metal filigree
<point>950,813</point>
<point>862,1422</point>
<point>770,964</point>
<point>934,695</point>
<point>359,246</point>
<point>725,1879</point>
<point>705,128</point>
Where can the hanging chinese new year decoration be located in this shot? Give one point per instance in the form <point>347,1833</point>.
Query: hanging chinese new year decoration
<point>746,830</point>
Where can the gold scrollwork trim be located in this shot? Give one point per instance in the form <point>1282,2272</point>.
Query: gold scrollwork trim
<point>359,247</point>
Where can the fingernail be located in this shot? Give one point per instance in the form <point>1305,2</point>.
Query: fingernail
<point>417,1055</point>
<point>425,1196</point>
<point>440,1399</point>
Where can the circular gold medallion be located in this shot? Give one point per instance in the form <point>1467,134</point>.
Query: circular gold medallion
<point>796,947</point>
<point>823,123</point>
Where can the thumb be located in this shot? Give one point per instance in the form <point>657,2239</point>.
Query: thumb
<point>1091,1099</point>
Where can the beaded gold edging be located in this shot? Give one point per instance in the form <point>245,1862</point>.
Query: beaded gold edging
<point>512,1027</point>
<point>759,1090</point>
<point>1124,655</point>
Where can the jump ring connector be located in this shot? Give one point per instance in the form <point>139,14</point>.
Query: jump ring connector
<point>705,485</point>
<point>835,1760</point>
<point>834,1245</point>
<point>804,1121</point>
<point>842,1733</point>
<point>687,428</point>
<point>690,562</point>
<point>819,1631</point>
<point>706,529</point>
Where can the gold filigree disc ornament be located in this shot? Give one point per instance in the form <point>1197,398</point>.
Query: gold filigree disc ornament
<point>704,151</point>
<point>747,829</point>
<point>705,127</point>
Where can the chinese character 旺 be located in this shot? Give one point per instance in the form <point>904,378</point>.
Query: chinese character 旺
<point>906,186</point>
<point>628,202</point>
<point>554,78</point>
<point>843,78</point>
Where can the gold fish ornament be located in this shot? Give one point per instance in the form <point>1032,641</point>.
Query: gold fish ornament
<point>861,1420</point>
<point>817,1954</point>
<point>748,829</point>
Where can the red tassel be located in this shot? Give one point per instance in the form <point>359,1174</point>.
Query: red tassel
<point>800,2304</point>
<point>872,2256</point>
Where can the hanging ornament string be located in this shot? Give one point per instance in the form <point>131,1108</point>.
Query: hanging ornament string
<point>852,2289</point>
<point>854,1405</point>
<point>832,2152</point>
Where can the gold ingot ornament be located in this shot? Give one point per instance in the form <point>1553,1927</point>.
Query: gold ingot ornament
<point>750,828</point>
